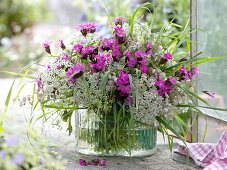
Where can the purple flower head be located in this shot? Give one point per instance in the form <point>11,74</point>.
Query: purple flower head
<point>168,56</point>
<point>193,72</point>
<point>39,82</point>
<point>144,69</point>
<point>18,158</point>
<point>121,34</point>
<point>95,161</point>
<point>172,80</point>
<point>125,89</point>
<point>140,54</point>
<point>11,141</point>
<point>46,43</point>
<point>128,54</point>
<point>212,95</point>
<point>123,78</point>
<point>132,62</point>
<point>88,51</point>
<point>183,70</point>
<point>116,51</point>
<point>150,45</point>
<point>48,67</point>
<point>75,72</point>
<point>102,163</point>
<point>78,47</point>
<point>82,162</point>
<point>142,61</point>
<point>186,75</point>
<point>118,29</point>
<point>166,88</point>
<point>66,57</point>
<point>102,61</point>
<point>123,84</point>
<point>163,88</point>
<point>89,27</point>
<point>3,154</point>
<point>107,44</point>
<point>160,83</point>
<point>62,45</point>
<point>119,19</point>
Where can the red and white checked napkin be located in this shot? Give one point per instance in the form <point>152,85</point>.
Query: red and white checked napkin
<point>206,155</point>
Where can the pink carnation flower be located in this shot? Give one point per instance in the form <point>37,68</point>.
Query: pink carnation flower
<point>74,71</point>
<point>46,43</point>
<point>168,56</point>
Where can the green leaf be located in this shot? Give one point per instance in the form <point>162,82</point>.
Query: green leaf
<point>19,74</point>
<point>4,110</point>
<point>208,59</point>
<point>205,107</point>
<point>168,126</point>
<point>66,115</point>
<point>194,59</point>
<point>131,19</point>
<point>104,81</point>
<point>189,92</point>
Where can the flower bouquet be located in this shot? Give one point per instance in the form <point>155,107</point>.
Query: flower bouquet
<point>121,87</point>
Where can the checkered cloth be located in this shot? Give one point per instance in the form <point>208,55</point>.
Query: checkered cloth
<point>205,155</point>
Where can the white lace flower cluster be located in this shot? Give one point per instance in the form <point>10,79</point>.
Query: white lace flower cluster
<point>150,104</point>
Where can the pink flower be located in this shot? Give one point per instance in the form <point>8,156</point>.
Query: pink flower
<point>82,162</point>
<point>102,163</point>
<point>127,54</point>
<point>162,87</point>
<point>144,69</point>
<point>102,61</point>
<point>62,45</point>
<point>140,54</point>
<point>118,29</point>
<point>168,56</point>
<point>193,72</point>
<point>150,45</point>
<point>159,83</point>
<point>107,44</point>
<point>172,80</point>
<point>125,89</point>
<point>212,95</point>
<point>75,72</point>
<point>46,43</point>
<point>143,61</point>
<point>116,51</point>
<point>39,82</point>
<point>86,51</point>
<point>89,27</point>
<point>183,70</point>
<point>186,75</point>
<point>66,57</point>
<point>119,18</point>
<point>48,67</point>
<point>132,62</point>
<point>78,47</point>
<point>121,34</point>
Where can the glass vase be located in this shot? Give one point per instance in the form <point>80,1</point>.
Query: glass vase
<point>106,137</point>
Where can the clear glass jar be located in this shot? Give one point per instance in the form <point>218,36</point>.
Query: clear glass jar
<point>106,138</point>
